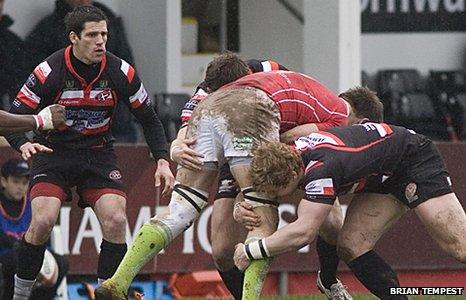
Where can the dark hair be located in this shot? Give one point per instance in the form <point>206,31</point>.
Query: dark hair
<point>224,69</point>
<point>75,19</point>
<point>365,103</point>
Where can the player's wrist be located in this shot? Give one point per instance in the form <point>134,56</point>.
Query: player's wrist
<point>256,250</point>
<point>38,122</point>
<point>174,149</point>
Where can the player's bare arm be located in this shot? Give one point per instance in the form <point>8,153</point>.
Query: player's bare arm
<point>182,154</point>
<point>49,118</point>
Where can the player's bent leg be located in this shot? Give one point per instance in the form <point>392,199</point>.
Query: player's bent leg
<point>185,205</point>
<point>110,210</point>
<point>225,234</point>
<point>368,217</point>
<point>45,212</point>
<point>326,246</point>
<point>256,273</point>
<point>445,220</point>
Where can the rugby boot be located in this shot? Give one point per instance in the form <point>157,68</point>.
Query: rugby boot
<point>337,290</point>
<point>108,291</point>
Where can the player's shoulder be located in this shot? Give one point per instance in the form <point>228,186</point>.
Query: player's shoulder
<point>49,66</point>
<point>120,67</point>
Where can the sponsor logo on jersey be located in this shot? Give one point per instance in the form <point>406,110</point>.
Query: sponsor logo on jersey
<point>322,186</point>
<point>115,175</point>
<point>313,140</point>
<point>103,83</point>
<point>69,84</point>
<point>82,119</point>
<point>243,142</point>
<point>31,81</point>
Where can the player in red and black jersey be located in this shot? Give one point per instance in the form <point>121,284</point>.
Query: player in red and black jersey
<point>404,169</point>
<point>305,106</point>
<point>89,82</point>
<point>217,76</point>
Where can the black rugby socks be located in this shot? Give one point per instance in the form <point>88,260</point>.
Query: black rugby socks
<point>376,275</point>
<point>328,259</point>
<point>233,280</point>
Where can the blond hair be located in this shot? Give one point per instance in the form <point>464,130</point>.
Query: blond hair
<point>273,166</point>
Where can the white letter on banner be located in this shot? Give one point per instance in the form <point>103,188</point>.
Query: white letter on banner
<point>454,5</point>
<point>65,228</point>
<point>188,240</point>
<point>405,6</point>
<point>419,5</point>
<point>143,217</point>
<point>95,231</point>
<point>202,234</point>
<point>391,6</point>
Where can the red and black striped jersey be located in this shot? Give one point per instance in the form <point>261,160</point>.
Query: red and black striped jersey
<point>300,99</point>
<point>89,105</point>
<point>255,66</point>
<point>340,160</point>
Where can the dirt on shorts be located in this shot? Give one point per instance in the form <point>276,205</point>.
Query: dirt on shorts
<point>246,111</point>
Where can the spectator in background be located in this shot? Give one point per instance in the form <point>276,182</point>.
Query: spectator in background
<point>15,216</point>
<point>49,35</point>
<point>13,69</point>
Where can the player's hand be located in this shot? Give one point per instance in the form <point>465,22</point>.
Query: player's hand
<point>245,215</point>
<point>163,173</point>
<point>28,149</point>
<point>240,258</point>
<point>185,156</point>
<point>51,117</point>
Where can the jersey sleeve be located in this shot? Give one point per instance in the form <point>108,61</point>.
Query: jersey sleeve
<point>257,65</point>
<point>334,121</point>
<point>135,96</point>
<point>189,107</point>
<point>29,100</point>
<point>320,185</point>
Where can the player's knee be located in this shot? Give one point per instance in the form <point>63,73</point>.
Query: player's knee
<point>345,253</point>
<point>222,252</point>
<point>348,250</point>
<point>185,206</point>
<point>115,222</point>
<point>42,224</point>
<point>458,251</point>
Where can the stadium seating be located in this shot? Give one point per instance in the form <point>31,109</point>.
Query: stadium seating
<point>168,107</point>
<point>448,89</point>
<point>407,103</point>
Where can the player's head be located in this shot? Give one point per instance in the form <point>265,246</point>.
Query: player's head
<point>276,169</point>
<point>365,104</point>
<point>224,69</point>
<point>15,179</point>
<point>87,29</point>
<point>76,3</point>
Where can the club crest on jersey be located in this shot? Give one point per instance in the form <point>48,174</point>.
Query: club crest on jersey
<point>410,192</point>
<point>104,95</point>
<point>115,175</point>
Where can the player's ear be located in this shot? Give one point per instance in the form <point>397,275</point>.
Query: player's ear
<point>73,36</point>
<point>363,120</point>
